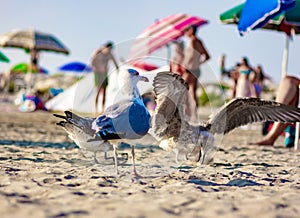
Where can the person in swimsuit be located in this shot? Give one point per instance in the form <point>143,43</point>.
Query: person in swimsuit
<point>244,87</point>
<point>258,79</point>
<point>195,55</point>
<point>100,60</point>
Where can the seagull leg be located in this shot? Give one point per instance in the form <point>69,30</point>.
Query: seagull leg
<point>116,158</point>
<point>133,163</point>
<point>176,151</point>
<point>95,158</point>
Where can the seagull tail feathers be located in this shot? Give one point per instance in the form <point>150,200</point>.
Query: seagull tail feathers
<point>59,116</point>
<point>73,118</point>
<point>61,123</point>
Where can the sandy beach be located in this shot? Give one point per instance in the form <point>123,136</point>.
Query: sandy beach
<point>43,174</point>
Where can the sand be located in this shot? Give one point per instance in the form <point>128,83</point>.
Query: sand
<point>43,174</point>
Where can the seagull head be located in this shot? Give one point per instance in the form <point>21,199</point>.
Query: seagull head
<point>130,79</point>
<point>135,76</point>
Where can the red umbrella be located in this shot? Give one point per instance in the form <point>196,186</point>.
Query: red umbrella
<point>161,33</point>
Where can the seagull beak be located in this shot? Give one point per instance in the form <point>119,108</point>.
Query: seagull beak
<point>143,78</point>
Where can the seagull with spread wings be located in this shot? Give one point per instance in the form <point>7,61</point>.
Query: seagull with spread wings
<point>124,121</point>
<point>170,126</point>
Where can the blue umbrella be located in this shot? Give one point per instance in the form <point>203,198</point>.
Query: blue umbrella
<point>76,67</point>
<point>257,13</point>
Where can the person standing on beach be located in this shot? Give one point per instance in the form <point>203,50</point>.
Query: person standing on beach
<point>245,87</point>
<point>258,80</point>
<point>195,55</point>
<point>223,71</point>
<point>287,93</point>
<point>100,61</point>
<point>178,58</point>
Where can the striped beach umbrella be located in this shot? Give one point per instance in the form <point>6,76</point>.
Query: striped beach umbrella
<point>161,32</point>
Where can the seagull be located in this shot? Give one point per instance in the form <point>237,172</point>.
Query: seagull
<point>78,130</point>
<point>169,123</point>
<point>125,121</point>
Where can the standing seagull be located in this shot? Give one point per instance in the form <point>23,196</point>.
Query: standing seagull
<point>170,126</point>
<point>124,121</point>
<point>79,131</point>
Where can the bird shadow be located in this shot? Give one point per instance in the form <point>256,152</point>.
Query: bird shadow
<point>234,182</point>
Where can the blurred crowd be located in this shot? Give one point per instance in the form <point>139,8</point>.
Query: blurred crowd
<point>247,81</point>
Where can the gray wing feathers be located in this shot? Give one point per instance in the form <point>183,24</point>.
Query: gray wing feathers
<point>83,123</point>
<point>242,111</point>
<point>118,108</point>
<point>170,92</point>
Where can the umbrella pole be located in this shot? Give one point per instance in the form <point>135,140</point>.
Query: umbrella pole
<point>29,78</point>
<point>169,55</point>
<point>29,75</point>
<point>285,57</point>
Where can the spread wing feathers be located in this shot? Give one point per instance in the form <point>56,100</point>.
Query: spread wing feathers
<point>241,111</point>
<point>170,92</point>
<point>84,123</point>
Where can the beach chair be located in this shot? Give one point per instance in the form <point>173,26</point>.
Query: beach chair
<point>297,129</point>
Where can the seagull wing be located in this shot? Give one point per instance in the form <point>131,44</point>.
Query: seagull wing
<point>127,119</point>
<point>170,92</point>
<point>83,123</point>
<point>241,111</point>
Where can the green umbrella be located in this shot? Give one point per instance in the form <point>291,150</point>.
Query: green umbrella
<point>24,68</point>
<point>3,58</point>
<point>283,22</point>
<point>288,22</point>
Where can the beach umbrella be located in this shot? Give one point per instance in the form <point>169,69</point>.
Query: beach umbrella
<point>3,58</point>
<point>284,22</point>
<point>145,66</point>
<point>162,32</point>
<point>281,20</point>
<point>33,41</point>
<point>24,68</point>
<point>76,67</point>
<point>256,15</point>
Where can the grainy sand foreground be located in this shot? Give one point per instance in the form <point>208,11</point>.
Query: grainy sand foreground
<point>44,175</point>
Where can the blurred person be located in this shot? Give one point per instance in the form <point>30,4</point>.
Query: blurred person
<point>178,58</point>
<point>258,80</point>
<point>288,93</point>
<point>244,86</point>
<point>223,72</point>
<point>234,75</point>
<point>195,55</point>
<point>32,67</point>
<point>99,62</point>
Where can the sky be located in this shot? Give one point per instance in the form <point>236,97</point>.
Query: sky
<point>85,25</point>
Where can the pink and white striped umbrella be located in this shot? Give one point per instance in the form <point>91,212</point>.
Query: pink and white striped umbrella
<point>161,33</point>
